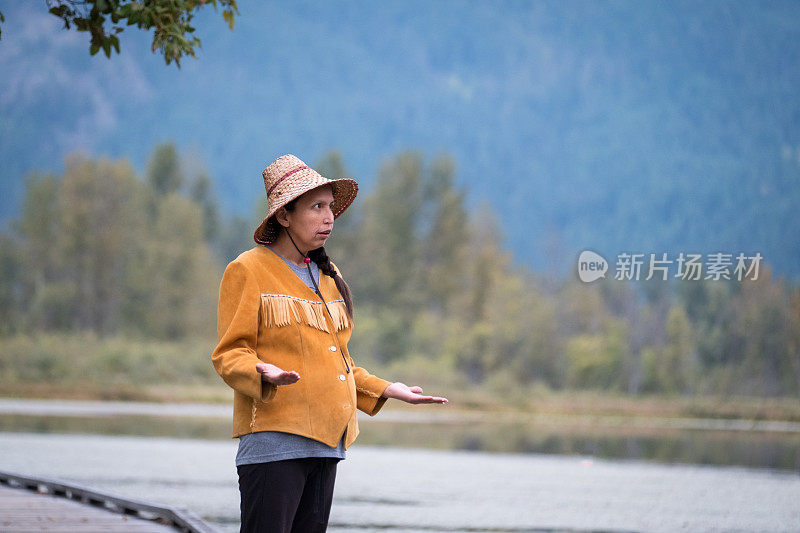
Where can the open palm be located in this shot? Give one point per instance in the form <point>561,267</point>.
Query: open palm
<point>401,391</point>
<point>276,376</point>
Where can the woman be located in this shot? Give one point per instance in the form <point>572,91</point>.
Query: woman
<point>283,332</point>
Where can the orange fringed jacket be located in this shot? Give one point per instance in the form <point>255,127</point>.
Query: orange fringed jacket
<point>266,313</point>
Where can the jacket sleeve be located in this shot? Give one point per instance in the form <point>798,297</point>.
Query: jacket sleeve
<point>369,389</point>
<point>235,356</point>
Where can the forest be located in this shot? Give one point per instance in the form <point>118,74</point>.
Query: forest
<point>109,288</point>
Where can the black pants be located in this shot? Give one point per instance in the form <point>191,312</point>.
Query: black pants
<point>289,496</point>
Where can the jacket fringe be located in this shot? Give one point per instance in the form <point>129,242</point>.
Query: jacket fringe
<point>281,310</point>
<point>253,415</point>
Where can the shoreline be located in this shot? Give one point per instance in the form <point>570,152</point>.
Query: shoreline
<point>531,401</point>
<point>105,408</point>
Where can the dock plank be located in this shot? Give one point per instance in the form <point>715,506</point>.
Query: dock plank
<point>24,511</point>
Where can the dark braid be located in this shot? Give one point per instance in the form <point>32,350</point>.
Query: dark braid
<point>320,257</point>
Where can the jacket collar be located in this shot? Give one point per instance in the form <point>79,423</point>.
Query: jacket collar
<point>299,286</point>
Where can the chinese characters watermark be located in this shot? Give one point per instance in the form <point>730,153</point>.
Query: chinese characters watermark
<point>686,266</point>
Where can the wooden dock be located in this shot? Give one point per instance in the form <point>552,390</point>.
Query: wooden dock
<point>29,504</point>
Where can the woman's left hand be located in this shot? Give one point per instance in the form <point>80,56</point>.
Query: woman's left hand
<point>401,391</point>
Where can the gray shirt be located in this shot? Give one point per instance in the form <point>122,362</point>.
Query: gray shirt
<point>266,446</point>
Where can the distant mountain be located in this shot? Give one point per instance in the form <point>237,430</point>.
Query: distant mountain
<point>612,126</point>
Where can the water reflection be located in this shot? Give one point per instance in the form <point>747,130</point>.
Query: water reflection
<point>733,448</point>
<point>140,425</point>
<point>772,450</point>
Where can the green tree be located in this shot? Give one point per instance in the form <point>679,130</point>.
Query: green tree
<point>11,274</point>
<point>673,367</point>
<point>202,193</point>
<point>794,336</point>
<point>764,313</point>
<point>91,256</point>
<point>475,309</point>
<point>389,238</point>
<point>444,252</point>
<point>39,231</point>
<point>394,220</point>
<point>524,344</point>
<point>711,310</point>
<point>170,20</point>
<point>680,351</point>
<point>164,173</point>
<point>596,361</point>
<point>583,309</point>
<point>100,211</point>
<point>183,280</point>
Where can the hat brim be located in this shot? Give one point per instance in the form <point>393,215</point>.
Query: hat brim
<point>344,192</point>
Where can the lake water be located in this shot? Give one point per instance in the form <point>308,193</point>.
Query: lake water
<point>416,473</point>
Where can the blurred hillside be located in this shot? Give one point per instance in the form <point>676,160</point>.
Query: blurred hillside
<point>614,126</point>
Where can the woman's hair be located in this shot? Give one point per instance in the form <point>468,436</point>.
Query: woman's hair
<point>320,257</point>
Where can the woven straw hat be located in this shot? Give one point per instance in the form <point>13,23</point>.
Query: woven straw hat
<point>288,177</point>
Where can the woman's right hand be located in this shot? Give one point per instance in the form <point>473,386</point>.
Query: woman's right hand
<point>276,376</point>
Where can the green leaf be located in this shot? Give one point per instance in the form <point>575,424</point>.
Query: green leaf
<point>94,49</point>
<point>228,16</point>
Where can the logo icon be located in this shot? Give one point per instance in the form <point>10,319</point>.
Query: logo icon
<point>591,266</point>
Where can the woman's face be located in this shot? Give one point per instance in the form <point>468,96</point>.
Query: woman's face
<point>311,221</point>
